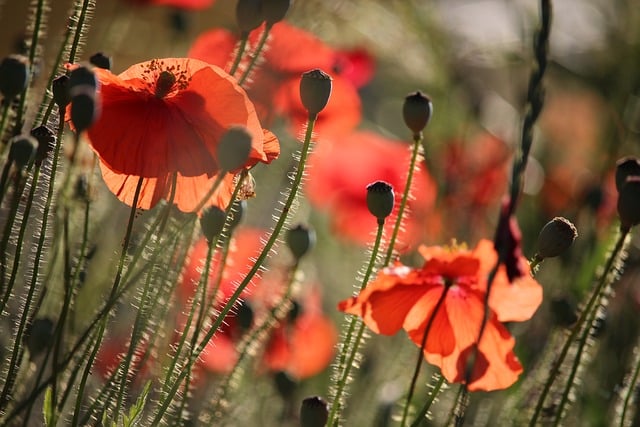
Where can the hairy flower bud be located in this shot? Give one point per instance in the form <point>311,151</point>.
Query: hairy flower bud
<point>380,199</point>
<point>556,237</point>
<point>234,148</point>
<point>23,149</point>
<point>300,239</point>
<point>249,15</point>
<point>275,10</point>
<point>82,76</point>
<point>212,222</point>
<point>101,60</point>
<point>14,75</point>
<point>60,89</point>
<point>46,142</point>
<point>629,203</point>
<point>85,107</point>
<point>416,111</point>
<point>314,412</point>
<point>315,90</point>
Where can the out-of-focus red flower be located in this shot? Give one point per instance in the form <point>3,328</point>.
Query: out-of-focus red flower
<point>340,172</point>
<point>179,4</point>
<point>356,65</point>
<point>404,297</point>
<point>302,346</point>
<point>274,86</point>
<point>166,117</point>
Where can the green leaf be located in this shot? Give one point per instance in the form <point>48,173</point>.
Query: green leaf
<point>135,412</point>
<point>47,409</point>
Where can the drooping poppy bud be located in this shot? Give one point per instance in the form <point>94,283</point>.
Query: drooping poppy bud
<point>46,142</point>
<point>212,222</point>
<point>555,237</point>
<point>85,107</point>
<point>314,412</point>
<point>14,75</point>
<point>416,111</point>
<point>299,240</point>
<point>249,15</point>
<point>275,10</point>
<point>234,148</point>
<point>23,149</point>
<point>626,167</point>
<point>315,90</point>
<point>629,203</point>
<point>101,60</point>
<point>380,200</point>
<point>60,89</point>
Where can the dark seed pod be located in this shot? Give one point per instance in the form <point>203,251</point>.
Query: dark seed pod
<point>249,15</point>
<point>380,199</point>
<point>556,237</point>
<point>275,10</point>
<point>416,111</point>
<point>315,90</point>
<point>300,240</point>
<point>212,222</point>
<point>101,60</point>
<point>14,75</point>
<point>23,149</point>
<point>314,412</point>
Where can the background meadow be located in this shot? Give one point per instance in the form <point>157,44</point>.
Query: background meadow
<point>474,59</point>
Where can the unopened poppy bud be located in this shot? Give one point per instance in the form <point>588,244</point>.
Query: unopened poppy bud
<point>275,10</point>
<point>314,412</point>
<point>285,385</point>
<point>626,167</point>
<point>556,237</point>
<point>46,142</point>
<point>315,90</point>
<point>249,15</point>
<point>300,239</point>
<point>84,107</point>
<point>212,222</point>
<point>416,111</point>
<point>245,315</point>
<point>14,75</point>
<point>101,60</point>
<point>380,199</point>
<point>237,212</point>
<point>629,203</point>
<point>60,89</point>
<point>82,76</point>
<point>23,149</point>
<point>234,148</point>
<point>39,336</point>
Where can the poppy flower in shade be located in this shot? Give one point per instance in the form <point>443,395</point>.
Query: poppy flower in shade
<point>274,86</point>
<point>340,172</point>
<point>166,117</point>
<point>404,297</point>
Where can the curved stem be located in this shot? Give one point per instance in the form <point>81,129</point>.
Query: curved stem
<point>241,47</point>
<point>255,55</point>
<point>420,418</point>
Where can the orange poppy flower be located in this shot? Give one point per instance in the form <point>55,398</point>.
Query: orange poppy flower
<point>165,117</point>
<point>338,184</point>
<point>404,297</point>
<point>274,86</point>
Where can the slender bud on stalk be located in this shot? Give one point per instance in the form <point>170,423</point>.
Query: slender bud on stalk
<point>249,15</point>
<point>14,75</point>
<point>300,240</point>
<point>101,60</point>
<point>416,111</point>
<point>275,10</point>
<point>315,90</point>
<point>212,222</point>
<point>60,89</point>
<point>46,142</point>
<point>234,148</point>
<point>556,237</point>
<point>629,203</point>
<point>314,412</point>
<point>380,199</point>
<point>23,149</point>
<point>85,107</point>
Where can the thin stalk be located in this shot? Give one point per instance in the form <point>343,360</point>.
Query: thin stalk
<point>423,343</point>
<point>166,401</point>
<point>417,144</point>
<point>256,54</point>
<point>420,418</point>
<point>241,48</point>
<point>349,349</point>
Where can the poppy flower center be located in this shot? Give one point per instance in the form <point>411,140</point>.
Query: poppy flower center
<point>164,84</point>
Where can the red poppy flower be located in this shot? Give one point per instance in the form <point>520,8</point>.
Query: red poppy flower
<point>340,172</point>
<point>403,297</point>
<point>166,117</point>
<point>274,86</point>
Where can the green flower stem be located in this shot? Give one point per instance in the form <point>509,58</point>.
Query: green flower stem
<point>416,371</point>
<point>241,48</point>
<point>420,418</point>
<point>417,144</point>
<point>166,401</point>
<point>349,347</point>
<point>5,104</point>
<point>555,368</point>
<point>17,351</point>
<point>630,390</point>
<point>256,54</point>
